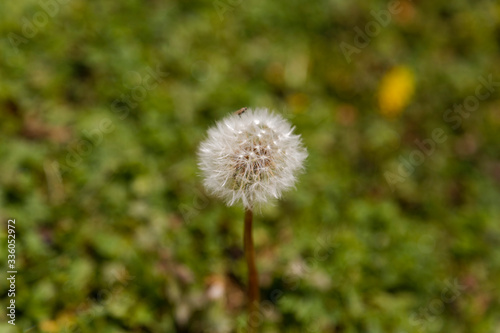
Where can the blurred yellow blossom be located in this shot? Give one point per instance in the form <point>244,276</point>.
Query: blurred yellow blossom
<point>63,322</point>
<point>298,102</point>
<point>395,91</point>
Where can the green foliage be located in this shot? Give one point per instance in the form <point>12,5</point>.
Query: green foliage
<point>103,106</point>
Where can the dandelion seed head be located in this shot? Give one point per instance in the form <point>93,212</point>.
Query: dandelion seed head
<point>251,157</point>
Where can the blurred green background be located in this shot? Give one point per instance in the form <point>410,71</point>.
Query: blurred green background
<point>394,226</point>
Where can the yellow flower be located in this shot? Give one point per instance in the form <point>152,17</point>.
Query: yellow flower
<point>395,91</point>
<point>64,322</point>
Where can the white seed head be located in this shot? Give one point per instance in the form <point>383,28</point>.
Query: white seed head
<point>251,157</point>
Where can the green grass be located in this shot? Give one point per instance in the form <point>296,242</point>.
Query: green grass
<point>103,107</point>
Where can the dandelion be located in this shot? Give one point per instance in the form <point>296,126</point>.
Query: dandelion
<point>251,157</point>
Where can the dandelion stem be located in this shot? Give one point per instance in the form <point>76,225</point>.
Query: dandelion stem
<point>253,280</point>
